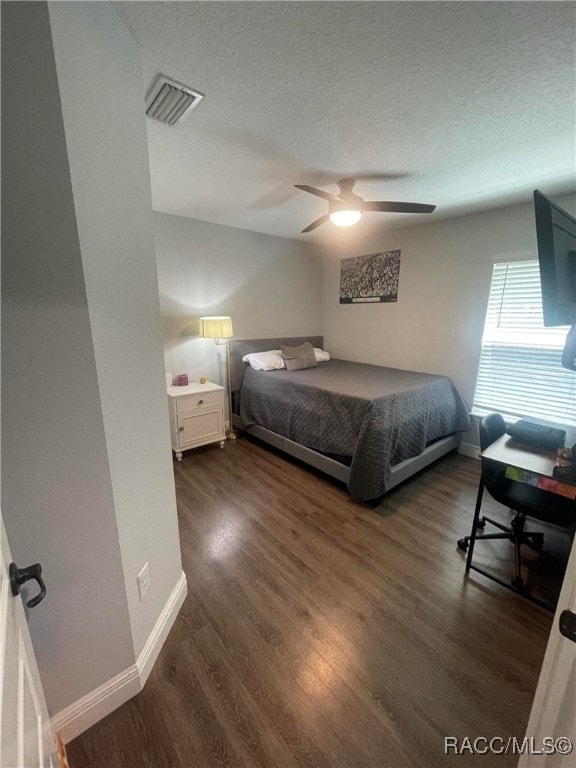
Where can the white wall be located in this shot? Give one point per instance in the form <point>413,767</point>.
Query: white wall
<point>57,496</point>
<point>87,485</point>
<point>445,270</point>
<point>270,286</point>
<point>100,77</point>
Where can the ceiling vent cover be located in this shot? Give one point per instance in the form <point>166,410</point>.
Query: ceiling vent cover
<point>170,102</point>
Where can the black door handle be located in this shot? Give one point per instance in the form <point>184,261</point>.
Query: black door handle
<point>567,625</point>
<point>19,576</point>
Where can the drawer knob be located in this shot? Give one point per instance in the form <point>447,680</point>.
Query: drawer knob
<point>180,429</point>
<point>200,402</point>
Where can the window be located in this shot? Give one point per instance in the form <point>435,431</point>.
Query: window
<point>520,371</point>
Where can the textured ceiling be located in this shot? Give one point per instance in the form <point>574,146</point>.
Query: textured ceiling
<point>465,105</point>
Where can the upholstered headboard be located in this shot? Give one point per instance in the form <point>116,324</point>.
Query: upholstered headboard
<point>244,346</point>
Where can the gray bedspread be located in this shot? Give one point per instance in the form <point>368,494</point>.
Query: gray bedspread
<point>377,416</point>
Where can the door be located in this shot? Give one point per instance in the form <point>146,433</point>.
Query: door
<point>26,736</point>
<point>551,732</point>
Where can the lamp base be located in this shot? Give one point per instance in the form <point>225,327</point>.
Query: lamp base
<point>232,434</point>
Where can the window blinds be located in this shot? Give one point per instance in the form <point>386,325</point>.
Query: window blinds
<point>520,372</point>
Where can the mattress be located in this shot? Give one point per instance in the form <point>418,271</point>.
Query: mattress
<point>374,416</point>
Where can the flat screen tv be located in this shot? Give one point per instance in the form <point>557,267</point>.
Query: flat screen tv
<point>556,235</point>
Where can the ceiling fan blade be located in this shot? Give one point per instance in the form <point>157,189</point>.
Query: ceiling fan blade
<point>387,206</point>
<point>319,193</point>
<point>379,176</point>
<point>317,223</point>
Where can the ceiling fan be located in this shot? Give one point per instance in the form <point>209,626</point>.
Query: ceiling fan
<point>346,208</point>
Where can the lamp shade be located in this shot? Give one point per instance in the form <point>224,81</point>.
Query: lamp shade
<point>345,217</point>
<point>216,327</point>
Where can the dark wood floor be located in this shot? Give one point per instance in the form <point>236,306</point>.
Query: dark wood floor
<point>319,632</point>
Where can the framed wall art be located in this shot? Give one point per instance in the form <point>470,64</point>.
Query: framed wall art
<point>370,279</point>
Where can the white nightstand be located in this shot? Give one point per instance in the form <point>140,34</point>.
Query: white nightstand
<point>196,416</point>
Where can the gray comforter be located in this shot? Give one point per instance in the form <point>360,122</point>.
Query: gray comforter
<point>376,416</point>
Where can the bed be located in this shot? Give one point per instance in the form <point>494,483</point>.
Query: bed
<point>368,426</point>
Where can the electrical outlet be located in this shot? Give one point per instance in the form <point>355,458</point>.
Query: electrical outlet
<point>144,581</point>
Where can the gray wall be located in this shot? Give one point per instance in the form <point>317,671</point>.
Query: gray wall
<point>270,286</point>
<point>87,488</point>
<point>437,323</point>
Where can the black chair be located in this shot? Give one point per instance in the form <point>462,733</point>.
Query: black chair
<point>526,500</point>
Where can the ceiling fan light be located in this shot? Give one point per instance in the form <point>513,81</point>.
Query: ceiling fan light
<point>346,217</point>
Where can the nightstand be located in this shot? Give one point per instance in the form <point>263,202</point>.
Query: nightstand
<point>196,416</point>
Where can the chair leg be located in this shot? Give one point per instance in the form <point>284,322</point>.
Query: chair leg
<point>497,524</point>
<point>535,541</point>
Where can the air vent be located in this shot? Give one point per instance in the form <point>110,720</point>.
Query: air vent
<point>170,102</point>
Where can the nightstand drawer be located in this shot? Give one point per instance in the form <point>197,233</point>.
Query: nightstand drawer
<point>199,401</point>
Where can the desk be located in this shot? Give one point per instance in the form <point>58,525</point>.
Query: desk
<point>532,466</point>
<point>520,463</point>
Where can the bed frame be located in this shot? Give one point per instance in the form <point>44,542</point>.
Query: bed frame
<point>399,472</point>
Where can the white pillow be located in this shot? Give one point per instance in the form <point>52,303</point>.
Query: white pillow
<point>265,361</point>
<point>321,355</point>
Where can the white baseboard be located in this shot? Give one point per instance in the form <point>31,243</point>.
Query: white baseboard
<point>468,449</point>
<point>157,637</point>
<point>88,710</point>
<point>85,712</point>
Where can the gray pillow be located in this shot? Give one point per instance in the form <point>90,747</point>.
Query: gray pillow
<point>300,357</point>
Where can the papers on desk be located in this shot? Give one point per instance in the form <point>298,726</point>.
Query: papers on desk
<point>540,481</point>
